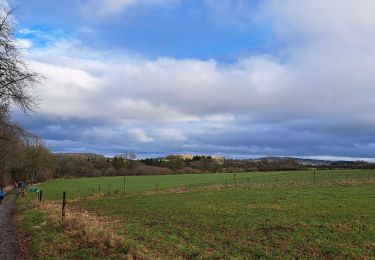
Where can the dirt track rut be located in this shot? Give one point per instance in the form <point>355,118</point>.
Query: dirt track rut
<point>8,242</point>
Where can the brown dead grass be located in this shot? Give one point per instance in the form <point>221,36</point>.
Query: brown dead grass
<point>90,229</point>
<point>219,187</point>
<point>83,230</point>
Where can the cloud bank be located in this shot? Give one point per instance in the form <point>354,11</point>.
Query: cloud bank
<point>314,97</point>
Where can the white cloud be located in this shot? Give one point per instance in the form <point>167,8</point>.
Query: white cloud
<point>304,85</point>
<point>107,8</point>
<point>26,31</point>
<point>172,134</point>
<point>24,43</point>
<point>321,19</point>
<point>166,88</point>
<point>141,135</point>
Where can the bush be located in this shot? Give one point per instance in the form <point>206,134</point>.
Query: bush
<point>44,174</point>
<point>188,170</point>
<point>150,170</point>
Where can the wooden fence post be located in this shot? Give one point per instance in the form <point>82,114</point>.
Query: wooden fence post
<point>40,195</point>
<point>63,206</point>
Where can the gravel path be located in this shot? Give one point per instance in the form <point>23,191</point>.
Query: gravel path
<point>8,243</point>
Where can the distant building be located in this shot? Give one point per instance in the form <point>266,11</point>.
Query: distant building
<point>219,159</point>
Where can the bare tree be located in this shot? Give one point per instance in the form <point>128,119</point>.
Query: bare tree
<point>9,130</point>
<point>16,79</point>
<point>16,83</point>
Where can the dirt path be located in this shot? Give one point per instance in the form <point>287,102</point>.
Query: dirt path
<point>8,243</point>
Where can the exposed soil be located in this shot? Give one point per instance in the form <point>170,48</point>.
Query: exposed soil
<point>8,242</point>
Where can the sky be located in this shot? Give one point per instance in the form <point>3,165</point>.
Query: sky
<point>239,78</point>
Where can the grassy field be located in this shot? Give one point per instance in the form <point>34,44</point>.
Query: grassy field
<point>82,187</point>
<point>294,222</point>
<point>333,217</point>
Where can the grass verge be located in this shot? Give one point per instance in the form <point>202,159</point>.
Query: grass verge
<point>79,236</point>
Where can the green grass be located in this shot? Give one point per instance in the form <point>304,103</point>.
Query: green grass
<point>82,187</point>
<point>293,222</point>
<point>271,219</point>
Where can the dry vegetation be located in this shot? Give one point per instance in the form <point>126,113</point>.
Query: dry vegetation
<point>79,235</point>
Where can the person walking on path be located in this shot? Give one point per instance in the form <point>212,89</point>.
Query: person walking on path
<point>2,194</point>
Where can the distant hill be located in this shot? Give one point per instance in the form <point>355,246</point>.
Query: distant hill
<point>303,161</point>
<point>273,160</point>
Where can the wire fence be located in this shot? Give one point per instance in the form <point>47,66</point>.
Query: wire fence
<point>112,186</point>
